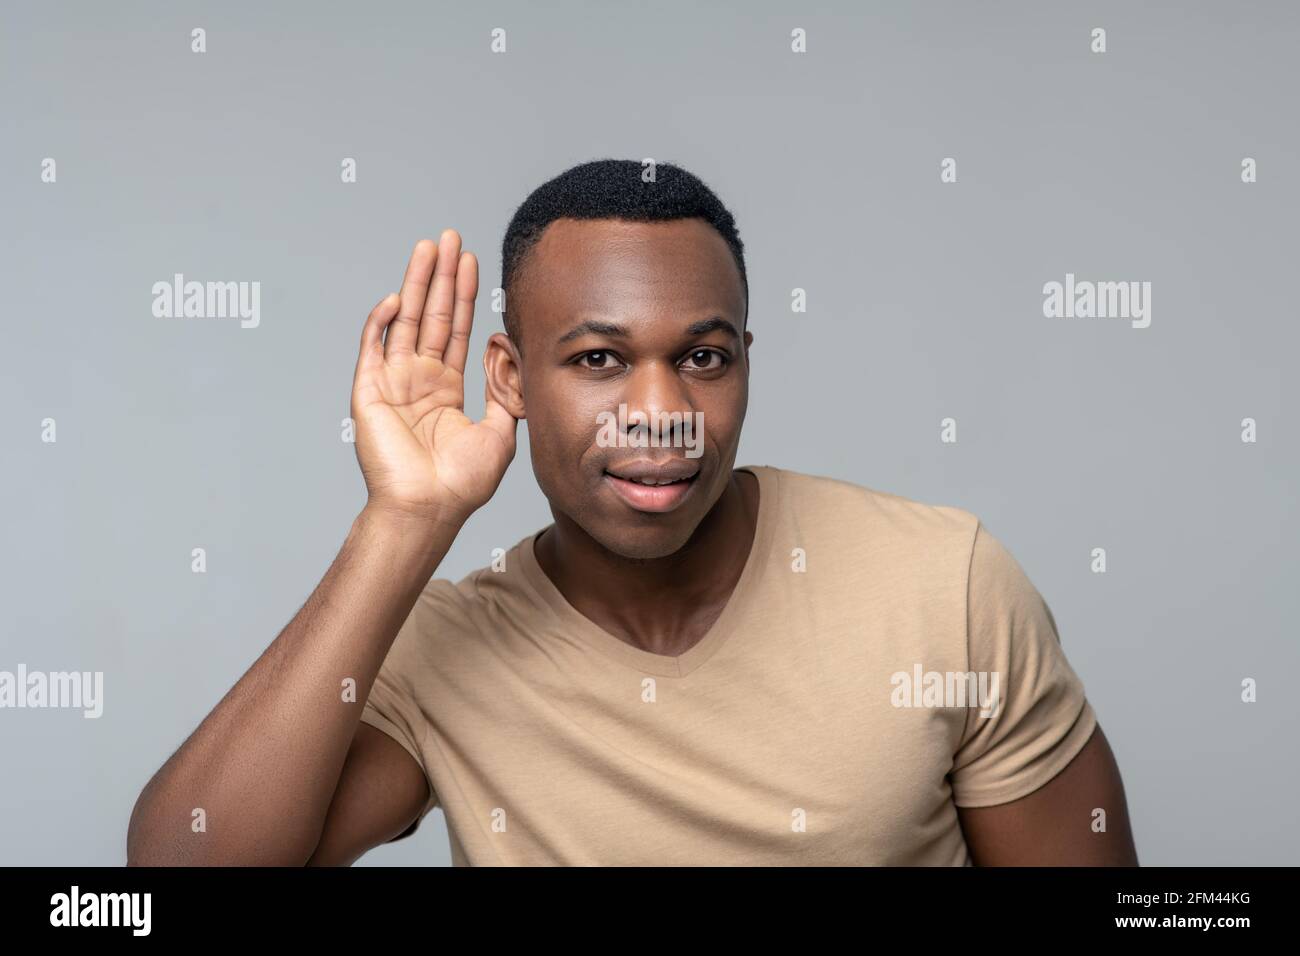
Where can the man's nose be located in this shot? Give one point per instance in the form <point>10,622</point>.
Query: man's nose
<point>657,401</point>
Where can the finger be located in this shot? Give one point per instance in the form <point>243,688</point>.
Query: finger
<point>435,325</point>
<point>372,333</point>
<point>462,317</point>
<point>499,420</point>
<point>371,355</point>
<point>415,289</point>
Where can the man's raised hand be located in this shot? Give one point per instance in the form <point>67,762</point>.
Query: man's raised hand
<point>419,453</point>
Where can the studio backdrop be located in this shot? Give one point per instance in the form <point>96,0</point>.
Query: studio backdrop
<point>1033,260</point>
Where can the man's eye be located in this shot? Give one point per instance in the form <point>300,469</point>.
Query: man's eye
<point>706,360</point>
<point>597,360</point>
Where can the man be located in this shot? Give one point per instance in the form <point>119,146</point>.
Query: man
<point>694,664</point>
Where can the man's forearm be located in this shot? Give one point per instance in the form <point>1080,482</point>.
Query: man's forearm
<point>265,763</point>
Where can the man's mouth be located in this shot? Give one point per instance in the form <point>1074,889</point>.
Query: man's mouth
<point>652,486</point>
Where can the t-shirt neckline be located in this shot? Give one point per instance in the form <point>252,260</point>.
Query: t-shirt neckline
<point>593,635</point>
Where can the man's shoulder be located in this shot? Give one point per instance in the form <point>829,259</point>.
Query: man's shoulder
<point>861,543</point>
<point>467,597</point>
<point>853,508</point>
<point>457,616</point>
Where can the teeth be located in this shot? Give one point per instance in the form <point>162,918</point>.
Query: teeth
<point>655,483</point>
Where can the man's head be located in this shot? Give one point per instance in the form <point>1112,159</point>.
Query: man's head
<point>626,349</point>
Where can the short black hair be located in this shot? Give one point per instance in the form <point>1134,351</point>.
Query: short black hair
<point>612,189</point>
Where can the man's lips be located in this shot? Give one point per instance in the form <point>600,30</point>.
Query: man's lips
<point>653,486</point>
<point>655,472</point>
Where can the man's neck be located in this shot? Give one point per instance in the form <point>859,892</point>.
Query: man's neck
<point>662,605</point>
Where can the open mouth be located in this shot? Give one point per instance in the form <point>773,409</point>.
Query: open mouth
<point>652,482</point>
<point>652,489</point>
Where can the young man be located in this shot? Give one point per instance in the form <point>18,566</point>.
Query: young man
<point>694,664</point>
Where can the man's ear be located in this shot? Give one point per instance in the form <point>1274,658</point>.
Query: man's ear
<point>749,340</point>
<point>503,367</point>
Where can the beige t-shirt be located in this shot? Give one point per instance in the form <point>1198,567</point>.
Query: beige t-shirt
<point>880,662</point>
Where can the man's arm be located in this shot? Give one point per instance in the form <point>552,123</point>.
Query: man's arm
<point>380,794</point>
<point>265,763</point>
<point>1053,826</point>
<point>282,768</point>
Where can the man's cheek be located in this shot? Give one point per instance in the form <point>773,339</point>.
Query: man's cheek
<point>567,441</point>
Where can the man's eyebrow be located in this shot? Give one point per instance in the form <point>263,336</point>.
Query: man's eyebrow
<point>714,324</point>
<point>592,327</point>
<point>613,330</point>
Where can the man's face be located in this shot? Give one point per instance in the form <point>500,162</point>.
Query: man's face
<point>648,316</point>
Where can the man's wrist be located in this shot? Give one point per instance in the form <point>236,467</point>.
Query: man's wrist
<point>430,525</point>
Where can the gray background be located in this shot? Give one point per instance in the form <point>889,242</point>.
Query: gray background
<point>925,301</point>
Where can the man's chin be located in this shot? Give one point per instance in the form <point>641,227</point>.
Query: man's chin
<point>642,543</point>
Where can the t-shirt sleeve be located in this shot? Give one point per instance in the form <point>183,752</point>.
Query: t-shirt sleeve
<point>1042,718</point>
<point>393,705</point>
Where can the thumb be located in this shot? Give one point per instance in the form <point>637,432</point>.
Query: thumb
<point>500,421</point>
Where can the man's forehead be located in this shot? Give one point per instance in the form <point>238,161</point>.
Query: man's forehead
<point>598,259</point>
<point>567,230</point>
